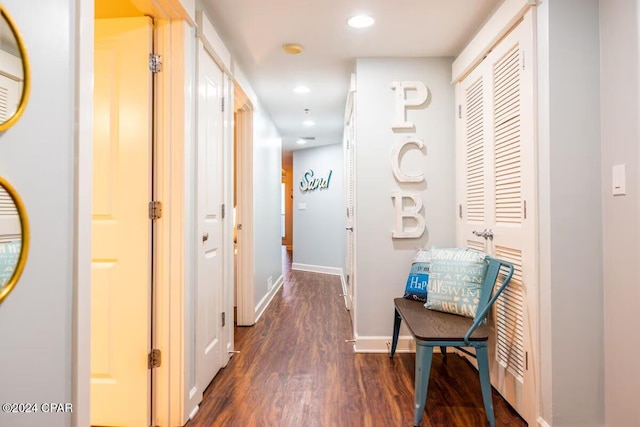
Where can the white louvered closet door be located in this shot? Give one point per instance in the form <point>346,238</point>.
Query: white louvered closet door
<point>10,228</point>
<point>506,204</point>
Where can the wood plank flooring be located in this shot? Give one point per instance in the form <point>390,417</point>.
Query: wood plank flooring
<point>295,369</point>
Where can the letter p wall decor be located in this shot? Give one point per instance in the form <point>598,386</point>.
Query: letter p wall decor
<point>409,219</point>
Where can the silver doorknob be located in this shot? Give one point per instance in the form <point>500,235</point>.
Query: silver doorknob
<point>205,237</point>
<point>349,228</point>
<point>485,234</point>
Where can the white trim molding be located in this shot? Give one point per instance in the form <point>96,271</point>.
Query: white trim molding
<point>542,422</point>
<point>212,42</point>
<point>378,344</point>
<point>373,344</point>
<point>266,300</point>
<point>500,23</point>
<point>334,271</point>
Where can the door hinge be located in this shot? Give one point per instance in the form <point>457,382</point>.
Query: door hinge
<point>155,210</point>
<point>460,211</point>
<point>526,360</point>
<point>155,63</point>
<point>155,358</point>
<point>524,208</point>
<point>459,111</point>
<point>523,63</point>
<point>223,211</point>
<point>224,319</point>
<point>348,279</point>
<point>223,104</point>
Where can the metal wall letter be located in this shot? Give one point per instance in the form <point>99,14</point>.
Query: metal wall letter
<point>402,102</point>
<point>395,160</point>
<point>400,232</point>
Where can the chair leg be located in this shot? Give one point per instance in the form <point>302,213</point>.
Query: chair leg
<point>423,368</point>
<point>396,331</point>
<point>485,383</point>
<point>443,350</point>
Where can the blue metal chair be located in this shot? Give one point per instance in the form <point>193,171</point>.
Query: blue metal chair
<point>432,328</point>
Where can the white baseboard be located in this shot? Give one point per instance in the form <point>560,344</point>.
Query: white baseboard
<point>194,412</point>
<point>373,344</point>
<point>344,289</point>
<point>406,344</point>
<point>543,423</point>
<point>266,300</point>
<point>317,269</point>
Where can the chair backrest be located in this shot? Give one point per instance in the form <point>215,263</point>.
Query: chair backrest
<point>487,294</point>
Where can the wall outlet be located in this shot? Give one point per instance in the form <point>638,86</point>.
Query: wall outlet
<point>269,283</point>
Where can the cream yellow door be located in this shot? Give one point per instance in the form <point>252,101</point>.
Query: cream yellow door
<point>209,289</point>
<point>121,228</point>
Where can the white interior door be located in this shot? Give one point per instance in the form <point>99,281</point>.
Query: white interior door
<point>498,175</point>
<point>209,290</point>
<point>121,228</point>
<point>350,191</point>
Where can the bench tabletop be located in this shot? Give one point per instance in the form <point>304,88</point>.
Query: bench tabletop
<point>431,325</point>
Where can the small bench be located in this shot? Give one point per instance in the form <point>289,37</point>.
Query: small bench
<point>437,329</point>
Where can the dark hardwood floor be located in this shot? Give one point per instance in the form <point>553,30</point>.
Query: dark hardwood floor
<point>295,369</point>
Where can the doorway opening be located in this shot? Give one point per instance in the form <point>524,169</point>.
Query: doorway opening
<point>243,208</point>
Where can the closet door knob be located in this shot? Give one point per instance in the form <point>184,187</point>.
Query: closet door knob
<point>205,237</point>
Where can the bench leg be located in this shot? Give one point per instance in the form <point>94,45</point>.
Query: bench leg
<point>396,331</point>
<point>485,383</point>
<point>443,350</point>
<point>423,368</point>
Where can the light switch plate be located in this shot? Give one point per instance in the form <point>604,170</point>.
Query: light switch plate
<point>619,180</point>
<point>302,206</point>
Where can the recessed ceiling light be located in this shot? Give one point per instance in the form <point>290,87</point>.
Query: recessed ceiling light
<point>360,21</point>
<point>308,123</point>
<point>301,141</point>
<point>301,89</point>
<point>292,48</point>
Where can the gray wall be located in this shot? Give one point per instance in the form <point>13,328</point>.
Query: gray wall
<point>37,158</point>
<point>383,263</point>
<point>619,29</point>
<point>570,214</point>
<point>267,177</point>
<point>319,236</point>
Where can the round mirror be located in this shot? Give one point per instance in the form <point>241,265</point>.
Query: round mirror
<point>14,72</point>
<point>14,238</point>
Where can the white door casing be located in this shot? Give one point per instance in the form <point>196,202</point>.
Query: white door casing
<point>497,192</point>
<point>121,228</point>
<point>210,179</point>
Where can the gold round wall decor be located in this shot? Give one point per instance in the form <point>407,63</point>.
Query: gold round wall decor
<point>15,77</point>
<point>14,238</point>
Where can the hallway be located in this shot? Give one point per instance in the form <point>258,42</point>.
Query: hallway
<point>295,369</point>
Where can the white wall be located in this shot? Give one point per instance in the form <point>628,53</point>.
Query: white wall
<point>37,157</point>
<point>619,43</point>
<point>571,287</point>
<point>319,235</point>
<point>267,178</point>
<point>383,263</point>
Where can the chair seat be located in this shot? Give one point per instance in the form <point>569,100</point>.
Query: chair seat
<point>431,325</point>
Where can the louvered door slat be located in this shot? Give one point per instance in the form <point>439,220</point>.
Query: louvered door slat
<point>510,316</point>
<point>507,148</point>
<point>4,104</point>
<point>474,147</point>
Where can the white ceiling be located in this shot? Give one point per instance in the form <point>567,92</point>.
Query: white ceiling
<point>255,30</point>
